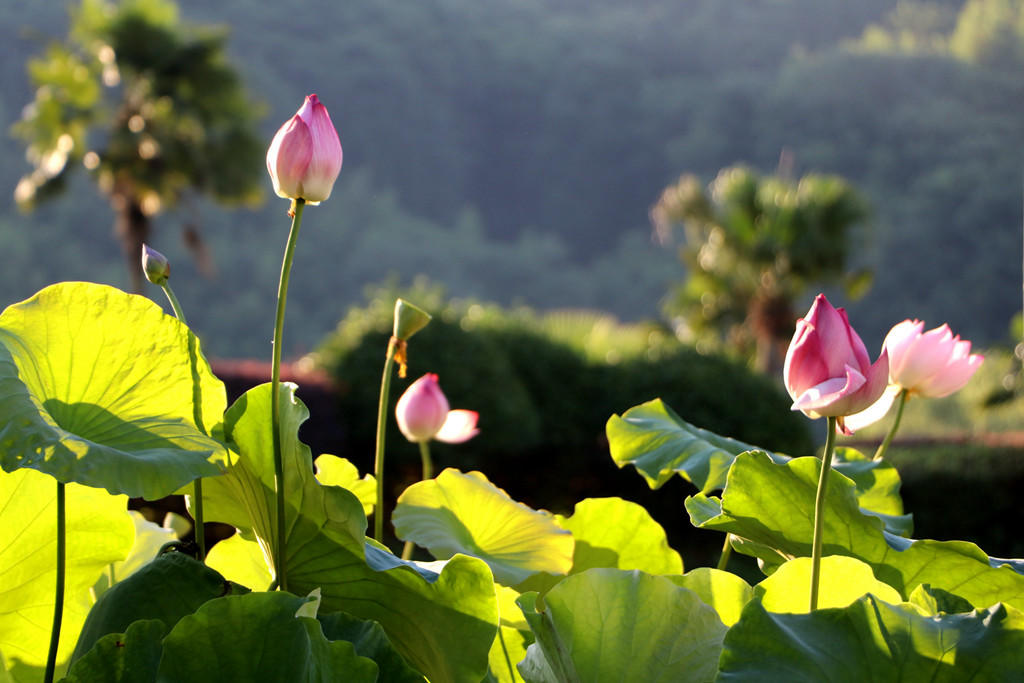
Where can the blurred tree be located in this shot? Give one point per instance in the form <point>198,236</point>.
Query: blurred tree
<point>753,245</point>
<point>990,32</point>
<point>151,107</point>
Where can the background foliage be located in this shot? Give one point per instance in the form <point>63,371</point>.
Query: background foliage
<point>512,150</point>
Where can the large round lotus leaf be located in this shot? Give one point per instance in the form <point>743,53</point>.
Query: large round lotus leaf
<point>101,388</point>
<point>466,513</point>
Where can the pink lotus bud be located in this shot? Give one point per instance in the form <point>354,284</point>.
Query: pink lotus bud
<point>828,371</point>
<point>305,156</point>
<point>155,266</point>
<point>422,414</point>
<point>933,363</point>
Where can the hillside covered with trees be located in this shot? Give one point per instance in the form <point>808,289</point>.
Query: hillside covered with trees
<point>512,150</point>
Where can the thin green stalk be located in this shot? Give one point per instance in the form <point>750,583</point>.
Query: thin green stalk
<point>819,511</point>
<point>884,446</point>
<point>58,608</point>
<point>197,485</point>
<point>378,465</point>
<point>723,561</point>
<point>508,660</point>
<point>427,473</point>
<point>275,391</point>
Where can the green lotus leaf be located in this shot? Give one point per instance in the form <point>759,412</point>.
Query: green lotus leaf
<point>752,508</point>
<point>258,637</point>
<point>614,625</point>
<point>659,443</point>
<point>99,531</point>
<point>442,622</point>
<point>514,636</point>
<point>241,559</point>
<point>878,488</point>
<point>370,641</point>
<point>101,388</point>
<point>874,641</point>
<point>612,533</point>
<point>843,580</point>
<point>723,590</point>
<point>168,588</point>
<point>465,513</point>
<point>129,657</point>
<point>149,538</point>
<point>334,471</point>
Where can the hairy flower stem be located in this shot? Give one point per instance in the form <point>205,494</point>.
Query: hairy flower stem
<point>275,392</point>
<point>819,511</point>
<point>884,446</point>
<point>58,608</point>
<point>197,485</point>
<point>378,465</point>
<point>428,472</point>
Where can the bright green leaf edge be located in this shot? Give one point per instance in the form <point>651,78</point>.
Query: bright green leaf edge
<point>101,388</point>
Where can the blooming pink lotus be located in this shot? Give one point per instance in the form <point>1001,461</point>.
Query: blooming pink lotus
<point>422,414</point>
<point>305,156</point>
<point>932,364</point>
<point>828,371</point>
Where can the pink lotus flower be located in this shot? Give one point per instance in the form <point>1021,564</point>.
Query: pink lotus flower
<point>933,363</point>
<point>422,414</point>
<point>305,155</point>
<point>828,371</point>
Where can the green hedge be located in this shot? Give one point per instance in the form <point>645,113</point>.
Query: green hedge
<point>544,385</point>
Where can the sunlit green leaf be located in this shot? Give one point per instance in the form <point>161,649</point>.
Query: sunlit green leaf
<point>514,636</point>
<point>258,637</point>
<point>874,641</point>
<point>723,590</point>
<point>99,532</point>
<point>241,560</point>
<point>149,538</point>
<point>613,625</point>
<point>659,443</point>
<point>442,622</point>
<point>465,513</point>
<point>334,471</point>
<point>843,580</point>
<point>102,388</point>
<point>772,506</point>
<point>612,533</point>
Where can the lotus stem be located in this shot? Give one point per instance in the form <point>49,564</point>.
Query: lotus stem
<point>819,511</point>
<point>378,466</point>
<point>427,473</point>
<point>58,608</point>
<point>280,571</point>
<point>884,446</point>
<point>723,560</point>
<point>197,485</point>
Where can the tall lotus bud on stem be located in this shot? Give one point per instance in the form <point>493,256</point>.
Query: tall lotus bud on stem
<point>409,319</point>
<point>305,156</point>
<point>155,266</point>
<point>829,374</point>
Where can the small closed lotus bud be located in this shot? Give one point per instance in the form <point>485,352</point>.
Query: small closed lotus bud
<point>422,409</point>
<point>409,319</point>
<point>155,266</point>
<point>305,156</point>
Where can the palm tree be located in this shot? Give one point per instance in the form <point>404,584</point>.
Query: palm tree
<point>150,107</point>
<point>752,246</point>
